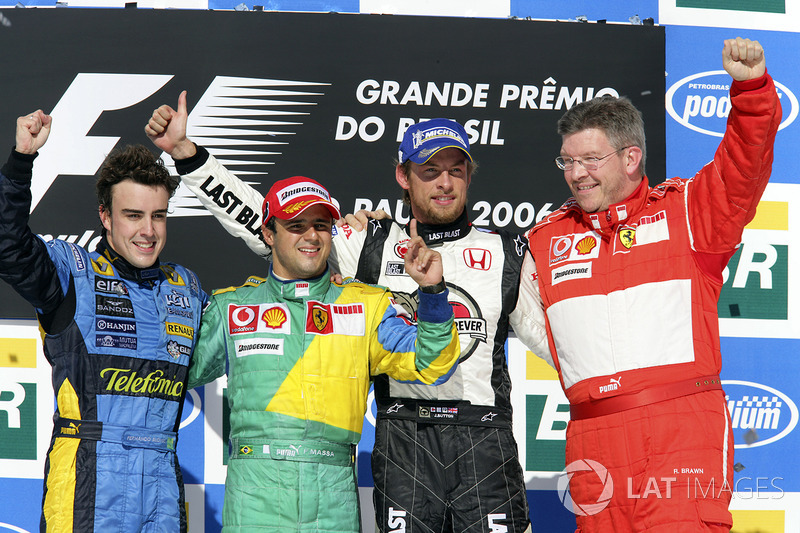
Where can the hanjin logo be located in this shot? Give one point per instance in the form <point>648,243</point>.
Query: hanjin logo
<point>478,258</point>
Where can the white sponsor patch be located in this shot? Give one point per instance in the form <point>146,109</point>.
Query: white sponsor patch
<point>572,271</point>
<point>246,347</point>
<point>574,247</point>
<point>652,229</point>
<point>262,318</point>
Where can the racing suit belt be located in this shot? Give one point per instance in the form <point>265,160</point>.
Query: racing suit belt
<point>657,393</point>
<point>305,451</point>
<point>445,412</point>
<point>130,436</point>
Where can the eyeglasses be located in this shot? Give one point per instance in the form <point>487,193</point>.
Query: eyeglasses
<point>589,163</point>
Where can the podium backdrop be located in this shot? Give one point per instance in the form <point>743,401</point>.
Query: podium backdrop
<point>328,96</point>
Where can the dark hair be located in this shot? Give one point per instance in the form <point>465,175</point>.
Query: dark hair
<point>270,225</point>
<point>616,117</point>
<point>472,167</point>
<point>135,163</point>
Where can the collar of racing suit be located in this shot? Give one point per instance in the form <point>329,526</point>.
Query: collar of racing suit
<point>606,221</point>
<point>437,233</point>
<point>125,269</point>
<point>300,289</point>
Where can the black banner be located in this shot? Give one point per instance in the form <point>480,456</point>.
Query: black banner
<point>322,95</point>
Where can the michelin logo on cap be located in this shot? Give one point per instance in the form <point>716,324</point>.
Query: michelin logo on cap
<point>420,137</point>
<point>423,140</point>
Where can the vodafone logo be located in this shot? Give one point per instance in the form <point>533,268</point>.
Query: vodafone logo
<point>582,508</point>
<point>561,245</point>
<point>242,318</point>
<point>701,102</point>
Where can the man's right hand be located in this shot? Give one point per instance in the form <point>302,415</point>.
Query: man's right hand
<point>360,219</point>
<point>167,129</point>
<point>32,132</point>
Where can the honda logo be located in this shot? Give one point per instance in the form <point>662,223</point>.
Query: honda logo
<point>478,258</point>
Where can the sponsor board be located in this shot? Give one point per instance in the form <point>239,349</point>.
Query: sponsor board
<point>775,15</point>
<point>541,413</point>
<point>26,401</point>
<point>759,298</point>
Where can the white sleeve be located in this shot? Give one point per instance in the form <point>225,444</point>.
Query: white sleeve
<point>234,203</point>
<point>346,250</point>
<point>527,319</point>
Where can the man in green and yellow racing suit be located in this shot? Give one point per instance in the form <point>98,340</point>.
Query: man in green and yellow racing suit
<point>300,353</point>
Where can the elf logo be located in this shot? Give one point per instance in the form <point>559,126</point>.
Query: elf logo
<point>701,102</point>
<point>760,414</point>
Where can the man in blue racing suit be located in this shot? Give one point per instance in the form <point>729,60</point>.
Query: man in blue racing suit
<point>119,330</point>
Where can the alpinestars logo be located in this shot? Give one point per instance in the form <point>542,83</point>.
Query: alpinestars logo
<point>229,108</point>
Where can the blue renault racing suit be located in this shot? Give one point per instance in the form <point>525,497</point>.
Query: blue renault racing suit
<point>119,340</point>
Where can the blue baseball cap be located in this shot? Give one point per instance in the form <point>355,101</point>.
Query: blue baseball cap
<point>421,141</point>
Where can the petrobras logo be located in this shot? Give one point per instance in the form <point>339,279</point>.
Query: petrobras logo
<point>760,414</point>
<point>701,102</point>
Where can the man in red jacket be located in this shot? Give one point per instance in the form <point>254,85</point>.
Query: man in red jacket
<point>629,276</point>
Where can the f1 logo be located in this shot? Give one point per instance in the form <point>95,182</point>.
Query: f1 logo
<point>478,258</point>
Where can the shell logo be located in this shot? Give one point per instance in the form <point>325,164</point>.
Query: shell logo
<point>274,317</point>
<point>586,245</point>
<point>701,102</point>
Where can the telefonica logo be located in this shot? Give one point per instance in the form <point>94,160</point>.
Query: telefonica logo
<point>701,102</point>
<point>760,414</point>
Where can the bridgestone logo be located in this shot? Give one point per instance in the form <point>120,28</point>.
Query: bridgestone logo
<point>255,346</point>
<point>244,347</point>
<point>571,271</point>
<point>303,189</point>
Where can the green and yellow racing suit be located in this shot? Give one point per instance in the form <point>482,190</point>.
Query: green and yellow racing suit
<point>300,356</point>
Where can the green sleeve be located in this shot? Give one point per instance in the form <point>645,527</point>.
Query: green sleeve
<point>210,350</point>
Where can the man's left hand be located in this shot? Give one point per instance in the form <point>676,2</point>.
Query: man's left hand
<point>422,264</point>
<point>743,59</point>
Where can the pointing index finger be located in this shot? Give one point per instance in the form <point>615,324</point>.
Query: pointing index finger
<point>412,229</point>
